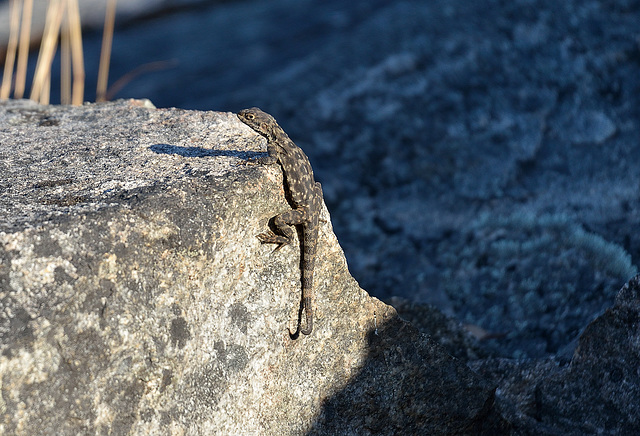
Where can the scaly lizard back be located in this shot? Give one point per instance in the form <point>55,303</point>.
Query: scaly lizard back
<point>305,194</point>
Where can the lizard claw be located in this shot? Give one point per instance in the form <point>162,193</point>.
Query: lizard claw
<point>266,237</point>
<point>246,162</point>
<point>279,247</point>
<point>271,238</point>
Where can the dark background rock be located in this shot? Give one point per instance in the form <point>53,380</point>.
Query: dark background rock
<point>479,157</point>
<point>597,393</point>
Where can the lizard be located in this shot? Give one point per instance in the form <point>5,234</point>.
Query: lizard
<point>304,194</point>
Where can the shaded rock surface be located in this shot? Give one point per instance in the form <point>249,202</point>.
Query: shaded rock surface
<point>135,298</point>
<point>595,393</point>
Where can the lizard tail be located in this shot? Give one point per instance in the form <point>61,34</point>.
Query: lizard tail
<point>308,261</point>
<point>309,313</point>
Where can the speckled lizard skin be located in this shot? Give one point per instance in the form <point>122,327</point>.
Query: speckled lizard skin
<point>305,195</point>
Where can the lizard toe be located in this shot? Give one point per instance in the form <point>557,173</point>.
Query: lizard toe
<point>266,236</point>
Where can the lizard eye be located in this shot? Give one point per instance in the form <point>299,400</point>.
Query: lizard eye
<point>250,116</point>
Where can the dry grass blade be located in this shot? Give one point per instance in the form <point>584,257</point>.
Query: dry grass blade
<point>7,77</point>
<point>65,62</point>
<point>77,57</point>
<point>47,52</point>
<point>105,53</point>
<point>45,91</point>
<point>138,71</point>
<point>62,21</point>
<point>23,49</point>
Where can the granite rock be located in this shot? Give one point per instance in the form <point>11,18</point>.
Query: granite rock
<point>135,298</point>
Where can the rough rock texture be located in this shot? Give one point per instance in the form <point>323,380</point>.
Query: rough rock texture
<point>136,299</point>
<point>477,156</point>
<point>595,393</point>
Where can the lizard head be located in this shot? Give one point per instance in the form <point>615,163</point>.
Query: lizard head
<point>258,120</point>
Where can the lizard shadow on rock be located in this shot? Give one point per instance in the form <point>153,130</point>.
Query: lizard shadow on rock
<point>197,151</point>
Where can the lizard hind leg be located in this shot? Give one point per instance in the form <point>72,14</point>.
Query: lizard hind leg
<point>282,224</point>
